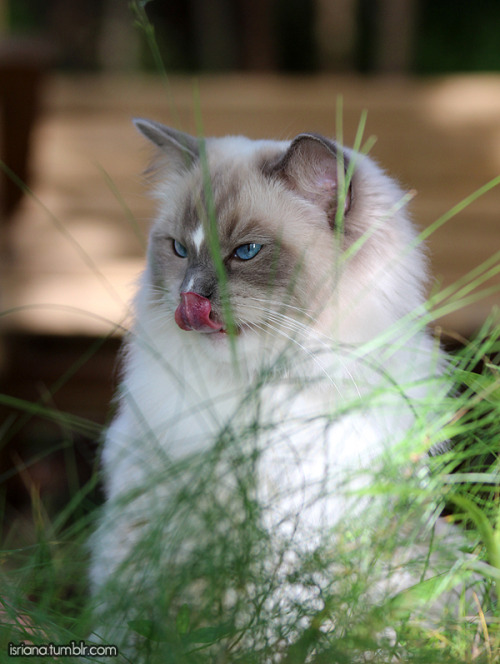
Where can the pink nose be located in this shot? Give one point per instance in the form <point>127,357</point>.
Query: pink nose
<point>193,313</point>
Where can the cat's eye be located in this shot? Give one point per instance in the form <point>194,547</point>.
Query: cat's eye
<point>179,249</point>
<point>247,251</point>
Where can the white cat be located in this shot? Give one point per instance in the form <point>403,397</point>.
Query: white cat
<point>277,360</point>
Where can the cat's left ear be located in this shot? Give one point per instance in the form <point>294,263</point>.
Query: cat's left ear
<point>181,149</point>
<point>316,169</point>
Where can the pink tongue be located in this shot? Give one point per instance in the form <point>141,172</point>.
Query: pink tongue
<point>193,313</point>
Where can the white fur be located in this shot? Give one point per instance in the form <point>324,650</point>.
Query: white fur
<point>198,237</point>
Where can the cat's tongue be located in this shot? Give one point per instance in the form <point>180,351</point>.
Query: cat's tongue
<point>193,313</point>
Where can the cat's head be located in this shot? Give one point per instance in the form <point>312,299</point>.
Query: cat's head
<point>267,238</point>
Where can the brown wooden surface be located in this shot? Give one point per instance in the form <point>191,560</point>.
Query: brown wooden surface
<point>74,253</point>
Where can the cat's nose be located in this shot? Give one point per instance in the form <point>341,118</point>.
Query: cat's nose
<point>193,313</point>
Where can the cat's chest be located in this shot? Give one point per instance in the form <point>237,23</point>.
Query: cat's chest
<point>187,400</point>
<point>180,406</point>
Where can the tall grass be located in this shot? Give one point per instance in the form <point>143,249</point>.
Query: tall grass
<point>218,589</point>
<point>217,594</point>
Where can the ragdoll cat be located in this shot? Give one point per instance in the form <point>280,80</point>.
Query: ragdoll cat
<point>277,359</point>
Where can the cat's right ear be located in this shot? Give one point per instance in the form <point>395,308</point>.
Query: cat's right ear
<point>180,149</point>
<point>311,166</point>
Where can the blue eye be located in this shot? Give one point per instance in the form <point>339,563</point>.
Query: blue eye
<point>179,249</point>
<point>247,251</point>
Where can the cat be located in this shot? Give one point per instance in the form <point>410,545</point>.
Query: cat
<point>276,360</point>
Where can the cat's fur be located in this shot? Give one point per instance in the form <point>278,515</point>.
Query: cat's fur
<point>310,357</point>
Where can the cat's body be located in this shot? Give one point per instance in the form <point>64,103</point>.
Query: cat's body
<point>315,365</point>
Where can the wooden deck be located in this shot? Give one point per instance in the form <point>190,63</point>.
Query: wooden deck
<point>77,244</point>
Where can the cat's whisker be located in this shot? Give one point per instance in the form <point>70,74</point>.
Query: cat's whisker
<point>286,323</point>
<point>308,319</point>
<point>269,310</point>
<point>267,326</point>
<point>284,305</point>
<point>298,326</point>
<point>325,343</point>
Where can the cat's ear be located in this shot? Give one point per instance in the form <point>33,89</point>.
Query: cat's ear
<point>316,168</point>
<point>181,149</point>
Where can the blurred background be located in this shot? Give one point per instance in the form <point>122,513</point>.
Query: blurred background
<point>74,212</point>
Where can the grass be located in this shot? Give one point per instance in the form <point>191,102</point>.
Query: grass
<point>44,589</point>
<point>223,602</point>
<point>219,599</point>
